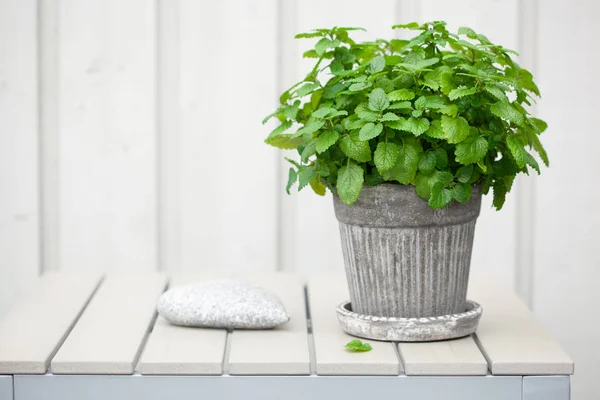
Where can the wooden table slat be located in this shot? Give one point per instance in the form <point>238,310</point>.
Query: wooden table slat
<point>108,336</point>
<point>280,351</point>
<point>36,326</point>
<point>511,339</point>
<point>325,292</point>
<point>177,350</point>
<point>449,357</point>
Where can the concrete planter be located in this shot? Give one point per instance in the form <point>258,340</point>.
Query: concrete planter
<point>404,259</point>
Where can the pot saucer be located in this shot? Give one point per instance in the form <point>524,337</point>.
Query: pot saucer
<point>425,329</point>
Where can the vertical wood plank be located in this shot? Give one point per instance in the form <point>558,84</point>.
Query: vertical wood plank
<point>495,245</point>
<point>325,293</point>
<point>567,216</point>
<point>169,221</point>
<point>314,221</point>
<point>279,351</point>
<point>447,357</point>
<point>19,199</point>
<point>227,174</point>
<point>34,329</point>
<point>48,26</point>
<point>510,338</point>
<point>107,147</point>
<point>181,350</point>
<point>108,337</point>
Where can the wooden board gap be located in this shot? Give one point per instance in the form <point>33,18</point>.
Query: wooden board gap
<point>70,328</point>
<point>400,359</point>
<point>227,351</point>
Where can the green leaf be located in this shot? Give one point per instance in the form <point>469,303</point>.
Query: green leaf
<point>324,44</point>
<point>309,150</point>
<point>467,31</point>
<point>497,92</point>
<point>308,35</point>
<point>500,191</point>
<point>461,192</point>
<point>378,100</point>
<point>410,25</point>
<point>401,94</point>
<point>292,178</point>
<point>532,162</point>
<point>435,130</point>
<point>355,124</point>
<point>350,182</point>
<point>541,125</point>
<point>355,148</point>
<point>427,162</point>
<point>442,158</point>
<point>358,346</point>
<point>447,82</point>
<point>385,156</point>
<point>455,129</point>
<point>317,186</point>
<point>406,165</point>
<point>365,114</point>
<point>517,150</point>
<point>325,140</point>
<point>440,196</point>
<point>402,105</point>
<point>280,129</point>
<point>388,117</point>
<point>309,128</point>
<point>377,64</point>
<point>464,173</point>
<point>304,177</point>
<point>310,54</point>
<point>286,142</point>
<point>461,91</point>
<point>423,185</point>
<point>507,112</point>
<point>370,130</point>
<point>433,78</point>
<point>537,146</point>
<point>360,86</point>
<point>307,88</point>
<point>430,102</point>
<point>293,162</point>
<point>450,110</point>
<point>321,112</point>
<point>471,150</point>
<point>416,126</point>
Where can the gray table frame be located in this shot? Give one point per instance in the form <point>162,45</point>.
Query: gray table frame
<point>133,387</point>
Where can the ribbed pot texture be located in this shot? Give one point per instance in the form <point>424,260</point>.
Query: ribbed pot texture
<point>403,258</point>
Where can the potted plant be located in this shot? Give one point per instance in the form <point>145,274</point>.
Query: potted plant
<point>407,135</point>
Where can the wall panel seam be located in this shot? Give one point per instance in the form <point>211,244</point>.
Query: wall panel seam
<point>167,135</point>
<point>48,133</point>
<point>286,228</point>
<point>526,195</point>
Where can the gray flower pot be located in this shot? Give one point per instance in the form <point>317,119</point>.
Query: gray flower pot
<point>403,258</point>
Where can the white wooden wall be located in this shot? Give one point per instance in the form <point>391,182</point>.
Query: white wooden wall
<point>130,138</point>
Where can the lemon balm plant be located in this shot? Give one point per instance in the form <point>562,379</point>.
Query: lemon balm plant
<point>407,135</point>
<point>442,112</point>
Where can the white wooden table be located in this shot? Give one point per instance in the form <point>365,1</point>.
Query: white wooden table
<point>87,336</point>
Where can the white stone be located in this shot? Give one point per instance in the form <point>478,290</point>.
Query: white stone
<point>230,304</point>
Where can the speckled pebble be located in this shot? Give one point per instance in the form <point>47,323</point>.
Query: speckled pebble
<point>231,304</point>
